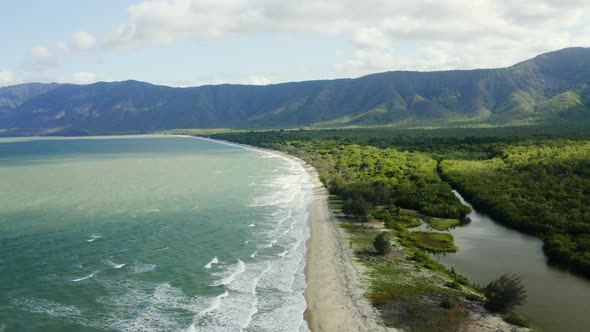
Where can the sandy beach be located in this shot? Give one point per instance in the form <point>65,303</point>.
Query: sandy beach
<point>334,293</point>
<point>335,290</point>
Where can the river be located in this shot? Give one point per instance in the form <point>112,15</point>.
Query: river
<point>557,300</point>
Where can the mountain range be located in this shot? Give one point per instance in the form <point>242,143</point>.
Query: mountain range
<point>551,87</point>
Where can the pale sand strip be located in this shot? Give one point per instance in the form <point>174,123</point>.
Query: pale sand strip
<point>334,291</point>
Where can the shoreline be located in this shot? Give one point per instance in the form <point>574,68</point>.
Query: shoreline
<point>334,293</point>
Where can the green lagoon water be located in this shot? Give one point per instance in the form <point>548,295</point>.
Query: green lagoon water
<point>150,234</point>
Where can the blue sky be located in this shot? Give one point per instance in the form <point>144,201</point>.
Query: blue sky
<point>196,42</point>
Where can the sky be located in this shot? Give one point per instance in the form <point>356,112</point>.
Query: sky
<point>198,42</point>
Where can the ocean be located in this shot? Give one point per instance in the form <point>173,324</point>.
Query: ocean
<point>150,233</point>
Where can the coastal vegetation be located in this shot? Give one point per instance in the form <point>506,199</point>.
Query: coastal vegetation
<point>533,179</point>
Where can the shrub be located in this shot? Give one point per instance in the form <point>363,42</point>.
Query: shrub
<point>356,207</point>
<point>458,277</point>
<point>382,243</point>
<point>505,293</point>
<point>447,303</point>
<point>420,257</point>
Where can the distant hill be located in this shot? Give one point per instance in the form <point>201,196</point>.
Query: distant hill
<point>551,87</point>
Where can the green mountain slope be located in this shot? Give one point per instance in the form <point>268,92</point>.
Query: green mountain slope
<point>552,86</point>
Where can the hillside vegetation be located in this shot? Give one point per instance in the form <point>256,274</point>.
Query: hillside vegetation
<point>553,87</point>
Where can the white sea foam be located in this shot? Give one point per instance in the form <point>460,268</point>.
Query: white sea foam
<point>142,268</point>
<point>251,225</point>
<point>210,264</point>
<point>93,238</point>
<point>143,306</point>
<point>254,306</point>
<point>152,210</point>
<point>215,304</point>
<point>268,294</point>
<point>91,275</point>
<point>240,268</point>
<point>113,264</point>
<point>50,308</point>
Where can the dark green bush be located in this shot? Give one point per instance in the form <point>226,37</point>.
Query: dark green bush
<point>382,243</point>
<point>505,293</point>
<point>447,303</point>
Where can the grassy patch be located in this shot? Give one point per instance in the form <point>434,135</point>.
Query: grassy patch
<point>442,224</point>
<point>435,242</point>
<point>361,236</point>
<point>403,220</point>
<point>408,212</point>
<point>425,314</point>
<point>392,280</point>
<point>515,318</point>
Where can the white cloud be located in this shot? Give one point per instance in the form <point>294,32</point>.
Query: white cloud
<point>166,22</point>
<point>83,78</point>
<point>371,37</point>
<point>41,59</point>
<point>509,28</point>
<point>382,34</point>
<point>81,41</point>
<point>84,41</point>
<point>458,34</point>
<point>6,77</point>
<point>258,80</point>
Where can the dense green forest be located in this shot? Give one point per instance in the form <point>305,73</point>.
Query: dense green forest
<point>541,188</point>
<point>366,177</point>
<point>537,181</point>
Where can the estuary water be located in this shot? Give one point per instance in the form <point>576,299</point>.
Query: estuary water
<point>557,300</point>
<point>150,233</point>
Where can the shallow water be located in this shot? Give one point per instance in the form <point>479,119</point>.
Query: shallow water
<point>557,300</point>
<point>150,233</point>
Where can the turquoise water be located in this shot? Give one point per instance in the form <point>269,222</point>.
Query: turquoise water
<point>150,234</point>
